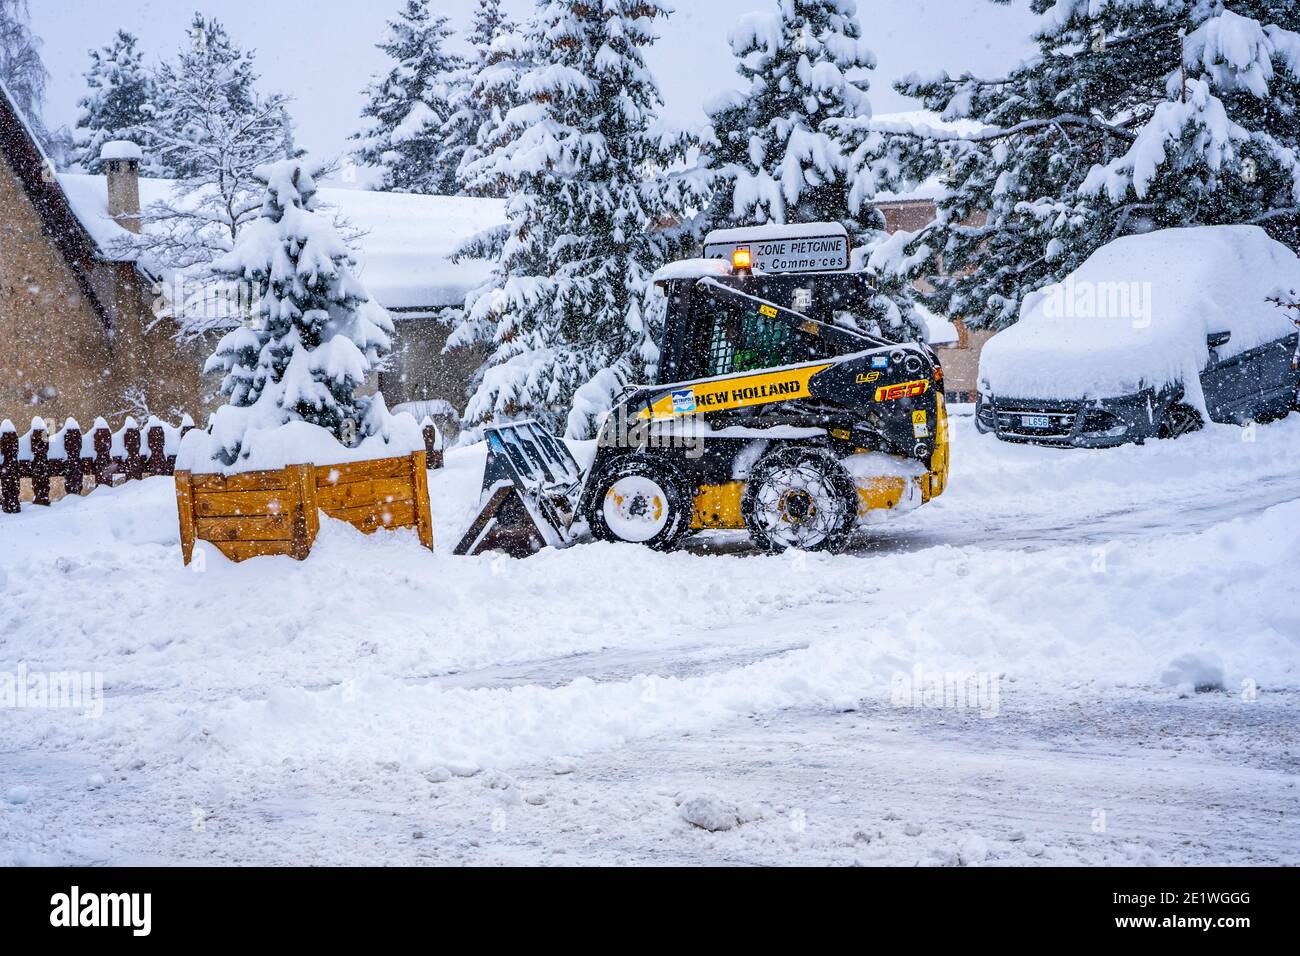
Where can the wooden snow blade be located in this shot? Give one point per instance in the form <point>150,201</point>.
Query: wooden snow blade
<point>530,489</point>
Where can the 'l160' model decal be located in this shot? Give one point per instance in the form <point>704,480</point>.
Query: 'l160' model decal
<point>887,393</point>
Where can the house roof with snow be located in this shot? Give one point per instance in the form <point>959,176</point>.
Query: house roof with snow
<point>942,331</point>
<point>404,249</point>
<point>22,151</point>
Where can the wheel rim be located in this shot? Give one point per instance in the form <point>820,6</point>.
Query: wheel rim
<point>1180,421</point>
<point>635,508</point>
<point>798,507</point>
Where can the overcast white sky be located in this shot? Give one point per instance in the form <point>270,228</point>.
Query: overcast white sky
<point>321,52</point>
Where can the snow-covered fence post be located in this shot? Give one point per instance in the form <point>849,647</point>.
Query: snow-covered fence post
<point>131,443</point>
<point>40,467</point>
<point>39,456</point>
<point>157,442</point>
<point>9,477</point>
<point>102,441</point>
<point>432,443</point>
<point>72,464</point>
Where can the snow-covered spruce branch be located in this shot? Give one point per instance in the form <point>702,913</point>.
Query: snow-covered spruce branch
<point>993,134</point>
<point>1281,213</point>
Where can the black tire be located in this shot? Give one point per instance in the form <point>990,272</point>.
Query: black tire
<point>1179,419</point>
<point>676,503</point>
<point>799,497</point>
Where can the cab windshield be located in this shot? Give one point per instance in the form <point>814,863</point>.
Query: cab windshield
<point>741,340</point>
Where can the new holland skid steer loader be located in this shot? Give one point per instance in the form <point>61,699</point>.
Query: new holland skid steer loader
<point>772,414</point>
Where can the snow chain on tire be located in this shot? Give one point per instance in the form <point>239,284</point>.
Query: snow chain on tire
<point>799,497</point>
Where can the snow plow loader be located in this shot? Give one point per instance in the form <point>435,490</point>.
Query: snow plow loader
<point>774,413</point>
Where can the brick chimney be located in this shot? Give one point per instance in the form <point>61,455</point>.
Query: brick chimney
<point>121,162</point>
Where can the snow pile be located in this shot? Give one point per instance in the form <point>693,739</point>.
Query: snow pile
<point>258,681</point>
<point>710,812</point>
<point>1193,672</point>
<point>1137,312</point>
<point>120,149</point>
<point>691,269</point>
<point>273,447</point>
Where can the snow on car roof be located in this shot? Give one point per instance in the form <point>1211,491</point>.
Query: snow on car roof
<point>404,252</point>
<point>1137,312</point>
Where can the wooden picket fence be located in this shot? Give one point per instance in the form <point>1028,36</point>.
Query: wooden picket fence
<point>105,457</point>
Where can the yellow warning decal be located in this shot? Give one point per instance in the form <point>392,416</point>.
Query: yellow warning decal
<point>767,310</point>
<point>739,391</point>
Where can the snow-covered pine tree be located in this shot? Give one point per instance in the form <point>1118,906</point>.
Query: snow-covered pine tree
<point>584,159</point>
<point>496,85</point>
<point>479,90</point>
<point>314,333</point>
<point>773,160</point>
<point>1134,115</point>
<point>771,148</point>
<point>119,104</point>
<point>496,88</point>
<point>407,108</point>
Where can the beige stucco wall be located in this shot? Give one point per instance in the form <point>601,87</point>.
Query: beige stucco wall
<point>419,369</point>
<point>55,358</point>
<point>58,357</point>
<point>167,373</point>
<point>961,361</point>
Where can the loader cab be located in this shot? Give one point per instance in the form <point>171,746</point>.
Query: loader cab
<point>728,314</point>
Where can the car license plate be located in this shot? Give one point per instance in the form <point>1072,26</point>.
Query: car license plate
<point>1035,421</point>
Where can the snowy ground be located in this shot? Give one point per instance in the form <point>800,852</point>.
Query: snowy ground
<point>378,704</point>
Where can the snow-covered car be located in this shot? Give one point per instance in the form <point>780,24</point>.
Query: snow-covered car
<point>1151,336</point>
